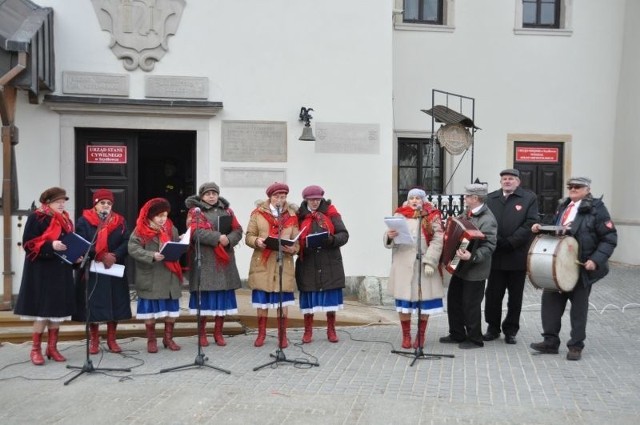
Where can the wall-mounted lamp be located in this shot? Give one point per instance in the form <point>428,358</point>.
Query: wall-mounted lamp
<point>307,132</point>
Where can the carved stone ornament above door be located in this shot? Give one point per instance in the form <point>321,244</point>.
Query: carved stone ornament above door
<point>139,28</point>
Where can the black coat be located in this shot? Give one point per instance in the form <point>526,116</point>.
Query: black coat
<point>596,235</point>
<point>321,268</point>
<point>515,216</point>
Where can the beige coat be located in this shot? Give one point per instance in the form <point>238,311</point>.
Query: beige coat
<point>403,280</point>
<point>264,275</point>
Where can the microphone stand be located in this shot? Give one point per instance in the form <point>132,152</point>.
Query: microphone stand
<point>279,356</point>
<point>418,352</point>
<point>88,367</point>
<point>200,357</point>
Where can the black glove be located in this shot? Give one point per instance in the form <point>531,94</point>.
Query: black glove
<point>329,242</point>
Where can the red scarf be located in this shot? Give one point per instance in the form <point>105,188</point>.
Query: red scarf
<point>164,234</point>
<point>221,254</point>
<point>103,229</point>
<point>323,220</point>
<point>285,218</point>
<point>60,222</point>
<point>429,211</point>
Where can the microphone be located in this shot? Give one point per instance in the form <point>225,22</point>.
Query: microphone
<point>419,207</point>
<point>103,215</point>
<point>197,210</point>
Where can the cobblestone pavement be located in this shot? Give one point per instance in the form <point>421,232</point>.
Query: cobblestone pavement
<point>359,380</point>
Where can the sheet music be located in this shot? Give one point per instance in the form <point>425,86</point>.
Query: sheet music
<point>399,224</point>
<point>115,270</point>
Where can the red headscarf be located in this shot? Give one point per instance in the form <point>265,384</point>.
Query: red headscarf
<point>286,220</point>
<point>60,222</point>
<point>104,229</point>
<point>323,220</point>
<point>429,211</point>
<point>203,223</point>
<point>147,232</point>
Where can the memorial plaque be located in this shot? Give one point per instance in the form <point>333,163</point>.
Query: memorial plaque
<point>347,138</point>
<point>95,83</point>
<point>176,87</point>
<point>254,141</point>
<point>251,177</point>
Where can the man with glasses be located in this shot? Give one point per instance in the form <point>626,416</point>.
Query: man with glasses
<point>588,221</point>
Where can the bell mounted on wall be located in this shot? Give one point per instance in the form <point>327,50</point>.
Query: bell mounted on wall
<point>307,132</point>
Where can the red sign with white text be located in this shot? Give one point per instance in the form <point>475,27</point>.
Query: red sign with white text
<point>537,154</point>
<point>97,154</point>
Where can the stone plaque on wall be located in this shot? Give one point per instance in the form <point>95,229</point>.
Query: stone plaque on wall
<point>176,87</point>
<point>95,83</point>
<point>347,138</point>
<point>251,177</point>
<point>254,141</point>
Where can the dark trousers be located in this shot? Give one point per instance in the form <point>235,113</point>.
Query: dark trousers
<point>464,310</point>
<point>499,282</point>
<point>553,306</point>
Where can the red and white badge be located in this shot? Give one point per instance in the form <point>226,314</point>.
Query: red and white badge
<point>518,207</point>
<point>609,224</point>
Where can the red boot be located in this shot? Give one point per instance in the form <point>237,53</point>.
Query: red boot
<point>262,331</point>
<point>331,327</point>
<point>152,343</point>
<point>420,336</point>
<point>111,337</point>
<point>167,340</point>
<point>406,333</point>
<point>52,346</point>
<point>217,331</point>
<point>282,333</point>
<point>202,332</point>
<point>36,349</point>
<point>94,338</point>
<point>307,337</point>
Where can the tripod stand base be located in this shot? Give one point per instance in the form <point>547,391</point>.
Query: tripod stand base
<point>419,354</point>
<point>281,358</point>
<point>198,362</point>
<point>88,367</point>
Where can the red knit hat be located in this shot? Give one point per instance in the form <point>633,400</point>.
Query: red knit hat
<point>313,192</point>
<point>101,194</point>
<point>277,188</point>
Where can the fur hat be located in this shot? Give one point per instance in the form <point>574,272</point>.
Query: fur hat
<point>417,192</point>
<point>53,194</point>
<point>101,194</point>
<point>277,188</point>
<point>579,181</point>
<point>157,206</point>
<point>206,187</point>
<point>313,192</point>
<point>475,189</point>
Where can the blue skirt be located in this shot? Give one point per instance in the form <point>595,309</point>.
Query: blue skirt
<point>264,300</point>
<point>214,303</point>
<point>426,306</point>
<point>319,301</point>
<point>157,309</point>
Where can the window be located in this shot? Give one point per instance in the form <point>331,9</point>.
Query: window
<point>423,11</point>
<point>541,13</point>
<point>420,164</point>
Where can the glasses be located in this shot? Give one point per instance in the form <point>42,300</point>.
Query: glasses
<point>575,186</point>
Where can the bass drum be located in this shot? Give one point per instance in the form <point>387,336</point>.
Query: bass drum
<point>552,263</point>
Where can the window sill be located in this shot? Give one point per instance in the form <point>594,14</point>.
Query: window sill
<point>403,26</point>
<point>543,31</point>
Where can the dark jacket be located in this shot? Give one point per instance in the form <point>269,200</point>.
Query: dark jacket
<point>321,268</point>
<point>596,235</point>
<point>515,216</point>
<point>478,266</point>
<point>213,276</point>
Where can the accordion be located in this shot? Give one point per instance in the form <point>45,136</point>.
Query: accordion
<point>459,233</point>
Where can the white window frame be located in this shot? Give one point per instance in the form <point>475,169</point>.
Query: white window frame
<point>448,24</point>
<point>566,21</point>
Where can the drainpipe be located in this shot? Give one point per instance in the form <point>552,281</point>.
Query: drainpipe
<point>9,138</point>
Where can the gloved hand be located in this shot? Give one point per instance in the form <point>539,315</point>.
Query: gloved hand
<point>108,260</point>
<point>428,270</point>
<point>329,242</point>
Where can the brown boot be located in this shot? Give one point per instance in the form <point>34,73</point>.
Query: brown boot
<point>331,327</point>
<point>217,331</point>
<point>282,333</point>
<point>202,332</point>
<point>111,337</point>
<point>167,340</point>
<point>94,338</point>
<point>406,333</point>
<point>152,343</point>
<point>36,349</point>
<point>52,346</point>
<point>262,331</point>
<point>420,336</point>
<point>307,337</point>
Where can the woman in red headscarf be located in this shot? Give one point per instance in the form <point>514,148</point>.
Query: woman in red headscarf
<point>109,299</point>
<point>47,294</point>
<point>157,281</point>
<point>270,218</point>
